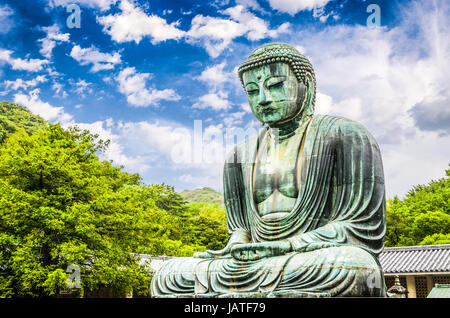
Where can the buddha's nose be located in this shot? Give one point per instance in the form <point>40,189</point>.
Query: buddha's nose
<point>263,99</point>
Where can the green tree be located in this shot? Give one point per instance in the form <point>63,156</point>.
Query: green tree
<point>427,224</point>
<point>206,226</point>
<point>61,205</point>
<point>422,217</point>
<point>167,199</point>
<point>436,238</point>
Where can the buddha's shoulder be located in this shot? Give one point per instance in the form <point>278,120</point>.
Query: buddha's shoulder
<point>335,124</point>
<point>331,129</point>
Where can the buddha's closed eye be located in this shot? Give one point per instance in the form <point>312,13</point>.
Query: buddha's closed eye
<point>252,88</point>
<point>275,81</point>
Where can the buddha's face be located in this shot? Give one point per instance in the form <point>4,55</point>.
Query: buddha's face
<point>274,93</point>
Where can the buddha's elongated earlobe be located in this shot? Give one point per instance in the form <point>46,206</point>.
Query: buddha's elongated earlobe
<point>308,102</point>
<point>302,93</point>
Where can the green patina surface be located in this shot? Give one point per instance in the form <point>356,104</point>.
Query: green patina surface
<point>305,199</point>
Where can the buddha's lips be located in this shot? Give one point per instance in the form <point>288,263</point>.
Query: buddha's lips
<point>268,109</point>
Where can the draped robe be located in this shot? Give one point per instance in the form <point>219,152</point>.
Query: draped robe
<point>336,228</point>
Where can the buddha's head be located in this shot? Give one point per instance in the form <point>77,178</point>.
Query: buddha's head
<point>279,82</point>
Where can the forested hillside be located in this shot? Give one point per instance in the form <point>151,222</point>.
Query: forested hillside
<point>203,195</point>
<point>14,117</point>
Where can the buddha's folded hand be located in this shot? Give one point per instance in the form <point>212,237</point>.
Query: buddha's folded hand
<point>214,254</point>
<point>255,251</point>
<point>238,237</point>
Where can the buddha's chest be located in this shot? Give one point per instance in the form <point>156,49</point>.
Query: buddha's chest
<point>276,171</point>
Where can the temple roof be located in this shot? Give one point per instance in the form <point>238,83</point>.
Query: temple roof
<point>440,291</point>
<point>416,259</point>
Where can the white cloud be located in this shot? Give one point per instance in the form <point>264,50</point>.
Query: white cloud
<point>158,138</point>
<point>253,4</point>
<point>234,119</point>
<point>294,6</point>
<point>103,5</point>
<point>161,139</point>
<point>301,49</point>
<point>215,28</point>
<point>133,86</point>
<point>256,28</point>
<point>6,21</point>
<point>142,146</point>
<point>350,107</point>
<point>219,83</point>
<point>215,76</point>
<point>52,72</point>
<point>59,90</point>
<point>202,180</point>
<point>31,65</point>
<point>33,102</point>
<point>100,61</point>
<point>214,100</point>
<point>246,107</point>
<point>47,47</point>
<point>216,34</point>
<point>320,13</point>
<point>132,24</point>
<point>323,103</point>
<point>53,36</point>
<point>82,87</point>
<point>21,84</point>
<point>188,155</point>
<point>115,151</point>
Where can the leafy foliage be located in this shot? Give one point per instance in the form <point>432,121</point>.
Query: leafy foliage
<point>423,217</point>
<point>59,205</point>
<point>206,226</point>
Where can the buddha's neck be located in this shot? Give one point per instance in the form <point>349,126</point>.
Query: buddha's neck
<point>285,130</point>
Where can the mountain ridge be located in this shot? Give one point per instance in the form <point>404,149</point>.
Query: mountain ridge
<point>204,194</point>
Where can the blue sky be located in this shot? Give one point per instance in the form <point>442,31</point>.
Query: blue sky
<point>141,73</point>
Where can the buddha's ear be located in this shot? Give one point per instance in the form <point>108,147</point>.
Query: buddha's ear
<point>308,105</point>
<point>309,84</point>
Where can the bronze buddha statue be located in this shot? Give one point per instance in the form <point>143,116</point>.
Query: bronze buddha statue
<point>305,198</point>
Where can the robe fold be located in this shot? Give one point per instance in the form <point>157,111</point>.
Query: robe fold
<point>336,228</point>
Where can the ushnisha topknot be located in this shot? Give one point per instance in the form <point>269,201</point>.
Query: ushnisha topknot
<point>279,52</point>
